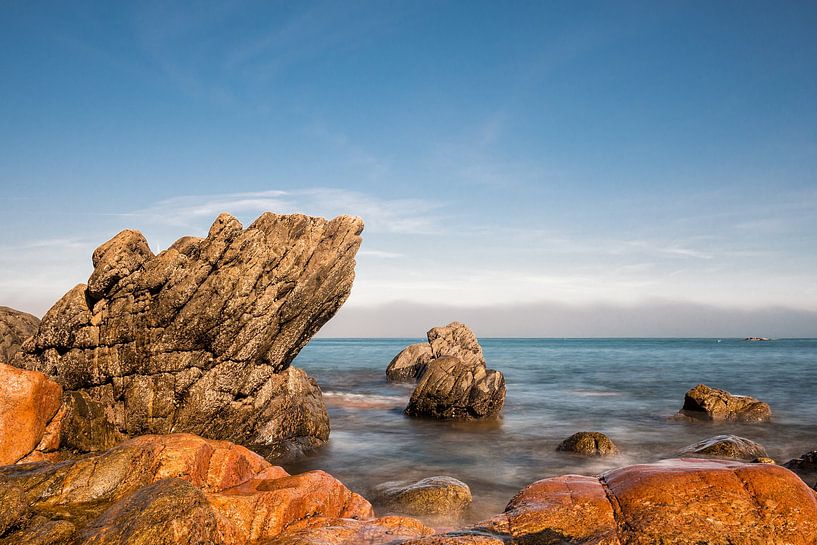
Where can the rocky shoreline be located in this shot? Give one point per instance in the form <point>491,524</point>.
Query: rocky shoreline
<point>153,404</point>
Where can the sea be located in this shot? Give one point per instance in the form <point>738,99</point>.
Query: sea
<point>628,389</point>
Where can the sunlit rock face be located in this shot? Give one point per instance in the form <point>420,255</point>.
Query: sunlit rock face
<point>200,337</point>
<point>15,328</point>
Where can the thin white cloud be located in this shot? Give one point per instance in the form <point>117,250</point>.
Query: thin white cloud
<point>379,253</point>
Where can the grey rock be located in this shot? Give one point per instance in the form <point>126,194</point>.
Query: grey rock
<point>726,446</point>
<point>200,337</point>
<point>15,328</point>
<point>453,389</point>
<point>706,403</point>
<point>438,495</point>
<point>410,363</point>
<point>588,443</point>
<point>805,466</point>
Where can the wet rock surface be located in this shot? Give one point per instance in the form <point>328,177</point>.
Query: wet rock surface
<point>200,337</point>
<point>726,446</point>
<point>439,495</point>
<point>29,401</point>
<point>805,466</point>
<point>454,381</point>
<point>15,327</point>
<point>706,403</point>
<point>588,443</point>
<point>169,489</point>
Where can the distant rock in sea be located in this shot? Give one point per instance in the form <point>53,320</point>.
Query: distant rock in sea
<point>726,446</point>
<point>756,339</point>
<point>588,443</point>
<point>200,337</point>
<point>455,382</point>
<point>15,328</point>
<point>706,403</point>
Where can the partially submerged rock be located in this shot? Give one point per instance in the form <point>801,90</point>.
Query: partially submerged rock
<point>454,382</point>
<point>328,531</point>
<point>171,489</point>
<point>439,495</point>
<point>706,403</point>
<point>805,466</point>
<point>588,443</point>
<point>200,337</point>
<point>726,446</point>
<point>451,389</point>
<point>29,401</point>
<point>15,327</point>
<point>410,363</point>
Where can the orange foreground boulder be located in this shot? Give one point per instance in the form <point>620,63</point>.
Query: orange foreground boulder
<point>181,489</point>
<point>28,402</point>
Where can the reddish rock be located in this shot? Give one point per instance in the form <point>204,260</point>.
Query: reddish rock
<point>325,531</point>
<point>28,401</point>
<point>169,489</point>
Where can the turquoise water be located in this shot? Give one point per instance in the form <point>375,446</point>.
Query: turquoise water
<point>626,388</point>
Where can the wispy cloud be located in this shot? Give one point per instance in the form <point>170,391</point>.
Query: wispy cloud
<point>397,216</point>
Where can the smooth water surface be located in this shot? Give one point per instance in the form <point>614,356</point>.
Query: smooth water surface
<point>626,388</point>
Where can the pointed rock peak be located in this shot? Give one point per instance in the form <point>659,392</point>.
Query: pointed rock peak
<point>116,259</point>
<point>355,221</point>
<point>225,223</point>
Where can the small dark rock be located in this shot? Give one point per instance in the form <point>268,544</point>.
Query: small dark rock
<point>588,443</point>
<point>726,446</point>
<point>706,403</point>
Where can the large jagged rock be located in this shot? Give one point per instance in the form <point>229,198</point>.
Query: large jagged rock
<point>173,489</point>
<point>454,382</point>
<point>726,446</point>
<point>706,403</point>
<point>15,328</point>
<point>200,337</point>
<point>28,402</point>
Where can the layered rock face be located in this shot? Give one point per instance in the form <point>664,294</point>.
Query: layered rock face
<point>15,328</point>
<point>200,337</point>
<point>706,403</point>
<point>454,381</point>
<point>171,489</point>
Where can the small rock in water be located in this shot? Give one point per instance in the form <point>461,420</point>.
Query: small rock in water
<point>588,443</point>
<point>727,446</point>
<point>805,466</point>
<point>438,495</point>
<point>706,403</point>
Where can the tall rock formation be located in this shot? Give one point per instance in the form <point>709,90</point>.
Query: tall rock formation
<point>200,337</point>
<point>15,328</point>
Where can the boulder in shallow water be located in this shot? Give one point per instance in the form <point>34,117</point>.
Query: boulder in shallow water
<point>15,327</point>
<point>28,402</point>
<point>439,495</point>
<point>726,446</point>
<point>410,363</point>
<point>456,339</point>
<point>451,389</point>
<point>200,337</point>
<point>706,403</point>
<point>588,443</point>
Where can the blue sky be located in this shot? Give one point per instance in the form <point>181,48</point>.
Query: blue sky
<point>624,156</point>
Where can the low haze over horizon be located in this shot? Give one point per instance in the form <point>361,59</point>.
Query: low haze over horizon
<point>534,169</point>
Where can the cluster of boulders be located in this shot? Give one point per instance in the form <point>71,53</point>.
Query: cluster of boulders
<point>200,337</point>
<point>453,381</point>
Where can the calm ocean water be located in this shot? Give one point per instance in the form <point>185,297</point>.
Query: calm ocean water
<point>626,388</point>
